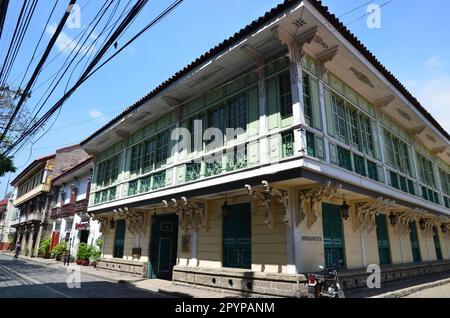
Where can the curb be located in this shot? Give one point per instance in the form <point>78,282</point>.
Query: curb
<point>411,290</point>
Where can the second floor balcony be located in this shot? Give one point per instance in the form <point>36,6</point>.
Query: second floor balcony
<point>33,217</point>
<point>69,209</point>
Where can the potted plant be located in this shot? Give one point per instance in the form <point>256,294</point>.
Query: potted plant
<point>83,254</point>
<point>95,256</point>
<point>59,250</point>
<point>44,248</point>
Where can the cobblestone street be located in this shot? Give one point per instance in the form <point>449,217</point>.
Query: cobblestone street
<point>23,278</point>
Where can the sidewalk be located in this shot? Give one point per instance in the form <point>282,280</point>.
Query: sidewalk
<point>401,288</point>
<point>153,285</point>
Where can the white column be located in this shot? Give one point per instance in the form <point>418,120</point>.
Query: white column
<point>324,120</point>
<point>297,99</point>
<point>194,242</point>
<point>379,129</point>
<point>362,237</point>
<point>293,236</point>
<point>263,141</point>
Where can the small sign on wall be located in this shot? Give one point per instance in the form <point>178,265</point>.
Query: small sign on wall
<point>312,238</point>
<point>186,244</point>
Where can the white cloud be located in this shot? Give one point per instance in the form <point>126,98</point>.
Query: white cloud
<point>435,62</point>
<point>66,43</point>
<point>95,113</point>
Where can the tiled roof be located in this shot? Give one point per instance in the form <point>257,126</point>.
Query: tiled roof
<point>255,25</point>
<point>4,202</point>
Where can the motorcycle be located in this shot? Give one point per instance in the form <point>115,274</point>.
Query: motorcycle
<point>324,284</point>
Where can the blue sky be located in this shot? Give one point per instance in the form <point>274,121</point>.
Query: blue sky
<point>412,43</point>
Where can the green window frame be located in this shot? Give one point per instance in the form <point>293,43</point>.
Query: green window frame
<point>397,153</point>
<point>340,126</point>
<point>162,148</point>
<point>284,80</point>
<point>136,158</point>
<point>333,235</point>
<point>307,101</point>
<point>237,112</point>
<point>344,158</point>
<point>149,154</point>
<point>287,144</point>
<point>437,244</point>
<point>360,165</point>
<point>415,245</point>
<point>354,128</point>
<point>426,171</point>
<point>372,169</point>
<point>107,171</point>
<point>383,239</point>
<point>237,236</point>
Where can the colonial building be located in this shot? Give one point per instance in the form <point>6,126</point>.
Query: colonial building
<point>336,164</point>
<point>69,213</point>
<point>7,213</point>
<point>33,199</point>
<point>34,196</point>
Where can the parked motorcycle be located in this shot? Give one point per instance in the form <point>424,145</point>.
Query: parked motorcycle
<point>324,284</point>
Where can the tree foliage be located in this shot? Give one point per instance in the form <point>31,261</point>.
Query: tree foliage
<point>8,100</point>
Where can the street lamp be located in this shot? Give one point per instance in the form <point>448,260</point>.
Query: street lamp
<point>345,210</point>
<point>422,224</point>
<point>393,218</point>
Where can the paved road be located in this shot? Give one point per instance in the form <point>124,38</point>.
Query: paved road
<point>26,279</point>
<point>435,292</point>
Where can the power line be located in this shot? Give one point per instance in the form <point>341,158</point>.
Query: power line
<point>128,19</point>
<point>38,68</point>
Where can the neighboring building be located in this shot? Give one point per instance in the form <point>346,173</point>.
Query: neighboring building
<point>341,166</point>
<point>69,213</point>
<point>33,198</point>
<point>7,213</point>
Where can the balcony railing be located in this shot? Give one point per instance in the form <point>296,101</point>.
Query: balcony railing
<point>55,213</point>
<point>30,217</point>
<point>67,210</point>
<point>80,206</point>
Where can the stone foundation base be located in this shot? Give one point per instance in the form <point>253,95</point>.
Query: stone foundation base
<point>242,282</point>
<point>355,278</point>
<point>129,267</point>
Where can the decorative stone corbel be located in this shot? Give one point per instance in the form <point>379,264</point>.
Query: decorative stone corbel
<point>384,101</point>
<point>311,198</point>
<point>416,130</point>
<point>438,150</point>
<point>402,225</point>
<point>265,200</point>
<point>192,215</point>
<point>253,54</point>
<point>326,56</point>
<point>367,211</point>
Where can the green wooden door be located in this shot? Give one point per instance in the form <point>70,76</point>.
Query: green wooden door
<point>333,236</point>
<point>383,240</point>
<point>437,244</point>
<point>237,244</point>
<point>415,246</point>
<point>163,246</point>
<point>119,238</point>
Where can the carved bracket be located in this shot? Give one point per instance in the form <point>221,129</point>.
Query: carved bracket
<point>367,211</point>
<point>265,198</point>
<point>310,199</point>
<point>191,215</point>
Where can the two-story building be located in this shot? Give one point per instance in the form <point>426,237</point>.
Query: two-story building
<point>33,199</point>
<point>7,213</point>
<point>335,163</point>
<point>69,213</point>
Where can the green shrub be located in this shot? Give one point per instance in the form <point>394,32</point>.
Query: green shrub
<point>59,249</point>
<point>44,246</point>
<point>84,251</point>
<point>99,243</point>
